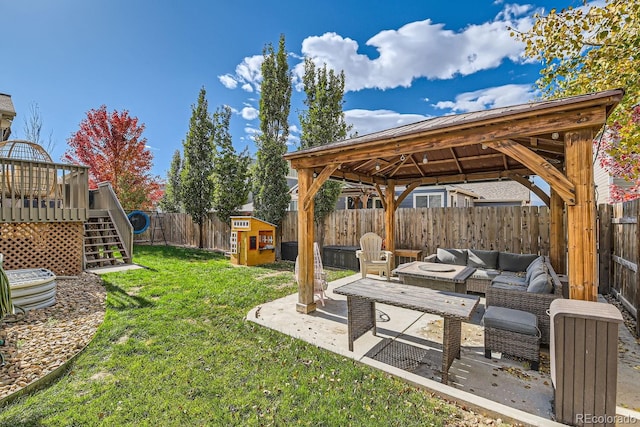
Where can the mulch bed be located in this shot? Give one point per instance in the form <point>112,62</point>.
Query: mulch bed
<point>42,340</point>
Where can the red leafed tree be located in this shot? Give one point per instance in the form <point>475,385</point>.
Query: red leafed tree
<point>621,163</point>
<point>112,145</point>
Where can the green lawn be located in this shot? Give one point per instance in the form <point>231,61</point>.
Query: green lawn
<point>175,350</point>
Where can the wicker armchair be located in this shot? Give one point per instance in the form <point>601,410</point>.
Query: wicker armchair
<point>531,302</point>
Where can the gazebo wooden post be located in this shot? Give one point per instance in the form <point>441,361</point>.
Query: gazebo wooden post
<point>389,219</point>
<point>581,218</point>
<point>557,247</point>
<point>306,302</point>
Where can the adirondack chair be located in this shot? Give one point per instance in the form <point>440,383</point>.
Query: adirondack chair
<point>373,259</point>
<point>319,276</point>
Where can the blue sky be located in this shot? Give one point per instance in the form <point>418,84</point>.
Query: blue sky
<point>404,60</point>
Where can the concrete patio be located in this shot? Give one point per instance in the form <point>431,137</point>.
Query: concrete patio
<point>408,345</point>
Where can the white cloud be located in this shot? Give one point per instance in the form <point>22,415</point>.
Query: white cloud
<point>421,49</point>
<point>249,113</point>
<point>293,141</point>
<point>248,75</point>
<point>293,129</point>
<point>228,81</point>
<point>494,97</point>
<point>369,121</point>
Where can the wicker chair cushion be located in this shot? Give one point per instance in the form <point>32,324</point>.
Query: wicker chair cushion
<point>541,284</point>
<point>510,279</point>
<point>510,286</point>
<point>512,320</point>
<point>452,256</point>
<point>485,274</point>
<point>535,268</point>
<point>482,259</point>
<point>515,262</point>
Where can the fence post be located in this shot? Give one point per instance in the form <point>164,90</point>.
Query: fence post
<point>637,260</point>
<point>604,247</point>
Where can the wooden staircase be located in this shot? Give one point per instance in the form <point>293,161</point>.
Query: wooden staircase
<point>103,245</point>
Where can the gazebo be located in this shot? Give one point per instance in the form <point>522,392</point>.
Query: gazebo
<point>550,139</point>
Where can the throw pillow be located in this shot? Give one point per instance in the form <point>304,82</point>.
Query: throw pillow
<point>482,259</point>
<point>540,285</point>
<point>452,256</point>
<point>515,262</point>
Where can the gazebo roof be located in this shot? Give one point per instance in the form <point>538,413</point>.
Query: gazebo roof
<point>462,147</point>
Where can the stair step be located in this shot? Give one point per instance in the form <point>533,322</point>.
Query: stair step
<point>102,243</point>
<point>107,237</point>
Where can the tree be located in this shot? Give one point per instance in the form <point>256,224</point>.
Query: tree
<point>322,123</point>
<point>627,167</point>
<point>590,49</point>
<point>230,171</point>
<point>197,185</point>
<point>172,198</point>
<point>33,129</point>
<point>270,190</point>
<point>113,147</point>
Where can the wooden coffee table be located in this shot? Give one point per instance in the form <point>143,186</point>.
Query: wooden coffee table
<point>443,277</point>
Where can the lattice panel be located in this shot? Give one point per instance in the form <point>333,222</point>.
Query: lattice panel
<point>54,246</point>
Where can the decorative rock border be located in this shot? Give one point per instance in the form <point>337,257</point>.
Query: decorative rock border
<point>40,345</point>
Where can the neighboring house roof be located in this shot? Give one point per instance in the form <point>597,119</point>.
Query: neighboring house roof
<point>497,190</point>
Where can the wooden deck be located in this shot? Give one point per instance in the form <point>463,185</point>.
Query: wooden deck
<point>33,191</point>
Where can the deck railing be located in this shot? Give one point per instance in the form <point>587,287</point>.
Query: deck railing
<point>32,191</point>
<point>104,198</point>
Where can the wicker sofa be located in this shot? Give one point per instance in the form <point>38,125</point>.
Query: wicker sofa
<point>525,282</point>
<point>517,297</point>
<point>488,264</point>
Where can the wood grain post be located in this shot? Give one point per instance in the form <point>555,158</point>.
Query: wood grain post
<point>306,302</point>
<point>389,219</point>
<point>637,260</point>
<point>557,234</point>
<point>581,220</point>
<point>605,240</point>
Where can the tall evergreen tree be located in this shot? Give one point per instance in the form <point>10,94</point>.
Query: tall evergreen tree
<point>197,185</point>
<point>270,190</point>
<point>230,171</point>
<point>322,123</point>
<point>172,198</point>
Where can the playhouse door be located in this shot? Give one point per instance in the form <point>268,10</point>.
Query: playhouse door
<point>242,248</point>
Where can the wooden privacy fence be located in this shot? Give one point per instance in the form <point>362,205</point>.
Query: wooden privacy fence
<point>620,253</point>
<point>179,230</point>
<point>512,229</point>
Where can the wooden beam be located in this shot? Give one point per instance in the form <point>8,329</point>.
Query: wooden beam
<point>306,302</point>
<point>420,171</point>
<point>538,165</point>
<point>317,183</point>
<point>532,187</point>
<point>406,192</point>
<point>557,234</point>
<point>402,162</point>
<point>435,139</point>
<point>389,219</point>
<point>455,158</point>
<point>581,237</point>
<point>444,179</point>
<point>382,196</point>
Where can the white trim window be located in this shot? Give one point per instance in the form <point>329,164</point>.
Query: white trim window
<point>428,200</point>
